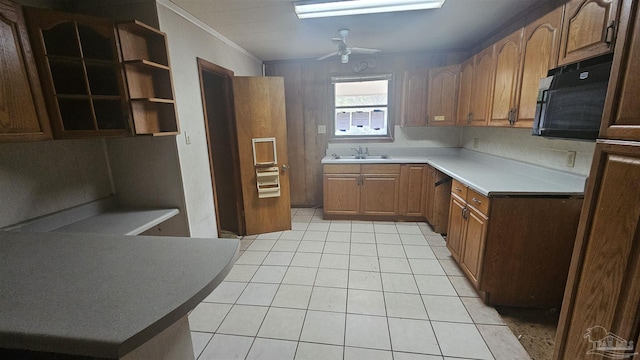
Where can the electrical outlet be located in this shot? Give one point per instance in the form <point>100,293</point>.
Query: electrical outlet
<point>322,129</point>
<point>475,142</point>
<point>571,158</point>
<point>187,138</point>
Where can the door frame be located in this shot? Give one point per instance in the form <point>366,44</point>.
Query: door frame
<point>227,77</point>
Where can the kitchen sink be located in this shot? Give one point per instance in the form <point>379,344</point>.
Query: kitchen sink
<point>361,157</point>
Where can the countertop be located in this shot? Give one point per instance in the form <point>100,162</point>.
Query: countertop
<point>489,175</point>
<point>101,295</point>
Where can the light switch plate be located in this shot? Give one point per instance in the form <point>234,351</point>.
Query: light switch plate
<point>187,138</point>
<point>571,158</point>
<point>322,129</point>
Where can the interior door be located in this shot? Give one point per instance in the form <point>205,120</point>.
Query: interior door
<point>260,114</point>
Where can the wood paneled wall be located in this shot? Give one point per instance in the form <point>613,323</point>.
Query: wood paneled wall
<point>308,102</point>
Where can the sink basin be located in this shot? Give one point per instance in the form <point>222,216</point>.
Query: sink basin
<point>361,157</point>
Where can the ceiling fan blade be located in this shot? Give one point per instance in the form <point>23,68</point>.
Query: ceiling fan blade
<point>364,50</point>
<point>328,56</point>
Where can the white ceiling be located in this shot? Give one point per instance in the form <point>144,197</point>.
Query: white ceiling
<point>270,30</point>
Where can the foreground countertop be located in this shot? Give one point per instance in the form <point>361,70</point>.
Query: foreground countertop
<point>489,175</point>
<point>101,295</point>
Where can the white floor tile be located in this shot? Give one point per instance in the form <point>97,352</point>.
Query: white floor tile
<point>283,324</point>
<point>270,349</point>
<point>384,229</point>
<point>340,226</point>
<point>299,226</point>
<point>364,263</point>
<point>419,252</point>
<point>314,235</point>
<point>364,249</point>
<point>426,267</point>
<point>242,273</point>
<point>446,308</point>
<point>435,285</point>
<point>286,245</point>
<point>323,327</point>
<point>334,261</point>
<point>258,294</point>
<point>251,257</point>
<point>227,347</point>
<point>292,296</point>
<point>339,236</point>
<point>409,229</point>
<point>391,239</point>
<point>328,299</point>
<point>310,351</point>
<point>365,302</point>
<point>269,274</point>
<point>435,240</point>
<point>353,353</point>
<point>394,265</point>
<point>408,306</point>
<point>319,226</point>
<point>261,245</point>
<point>391,251</point>
<point>367,331</point>
<point>293,234</point>
<point>441,252</point>
<point>361,228</point>
<point>450,267</point>
<point>331,247</point>
<point>300,276</point>
<point>301,219</point>
<point>199,341</point>
<point>270,236</point>
<point>480,312</point>
<point>207,317</point>
<point>311,246</point>
<point>365,238</point>
<point>413,336</point>
<point>402,283</point>
<point>365,280</point>
<point>332,278</point>
<point>463,287</point>
<point>243,320</point>
<point>409,356</point>
<point>278,258</point>
<point>451,335</point>
<point>502,343</point>
<point>227,292</point>
<point>408,239</point>
<point>306,259</point>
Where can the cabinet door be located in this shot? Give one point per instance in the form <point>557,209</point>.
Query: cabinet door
<point>23,115</point>
<point>456,229</point>
<point>476,224</point>
<point>341,194</point>
<point>588,29</point>
<point>443,92</point>
<point>81,74</point>
<point>482,87</point>
<point>412,190</point>
<point>603,288</point>
<point>379,194</point>
<point>464,93</point>
<point>415,97</point>
<point>505,80</point>
<point>539,55</point>
<point>621,118</point>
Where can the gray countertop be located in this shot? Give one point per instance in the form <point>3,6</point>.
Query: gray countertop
<point>489,175</point>
<point>101,295</point>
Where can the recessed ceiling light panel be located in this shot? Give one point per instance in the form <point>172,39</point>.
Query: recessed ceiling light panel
<point>307,10</point>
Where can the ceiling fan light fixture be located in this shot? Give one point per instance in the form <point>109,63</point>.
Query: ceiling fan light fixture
<point>306,10</point>
<point>344,58</point>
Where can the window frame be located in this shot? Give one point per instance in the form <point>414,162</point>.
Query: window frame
<point>340,78</point>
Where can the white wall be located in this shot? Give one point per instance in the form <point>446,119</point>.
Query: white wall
<point>519,144</point>
<point>189,39</point>
<point>424,136</point>
<point>38,178</point>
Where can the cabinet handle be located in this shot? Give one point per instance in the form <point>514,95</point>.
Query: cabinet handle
<point>510,117</point>
<point>476,201</point>
<point>608,38</point>
<point>457,189</point>
<point>464,212</point>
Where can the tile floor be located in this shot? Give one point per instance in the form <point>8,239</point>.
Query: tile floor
<point>348,290</point>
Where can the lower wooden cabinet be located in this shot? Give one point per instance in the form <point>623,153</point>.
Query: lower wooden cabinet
<point>515,250</point>
<point>368,190</point>
<point>413,189</point>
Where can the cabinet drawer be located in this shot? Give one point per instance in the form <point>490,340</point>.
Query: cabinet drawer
<point>478,201</point>
<point>381,169</point>
<point>459,189</point>
<point>342,169</point>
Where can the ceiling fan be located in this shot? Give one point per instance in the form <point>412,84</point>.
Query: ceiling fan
<point>344,51</point>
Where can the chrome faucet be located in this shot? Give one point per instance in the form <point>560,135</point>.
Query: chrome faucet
<point>360,153</point>
<point>358,150</point>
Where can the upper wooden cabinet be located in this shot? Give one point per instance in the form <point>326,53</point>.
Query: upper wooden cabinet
<point>23,115</point>
<point>443,92</point>
<point>621,118</point>
<point>505,80</point>
<point>464,93</point>
<point>481,89</point>
<point>540,43</point>
<point>83,84</point>
<point>588,29</point>
<point>415,97</point>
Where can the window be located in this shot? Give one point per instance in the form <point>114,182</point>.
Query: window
<point>361,107</point>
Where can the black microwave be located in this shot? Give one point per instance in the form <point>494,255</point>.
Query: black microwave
<point>571,101</point>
